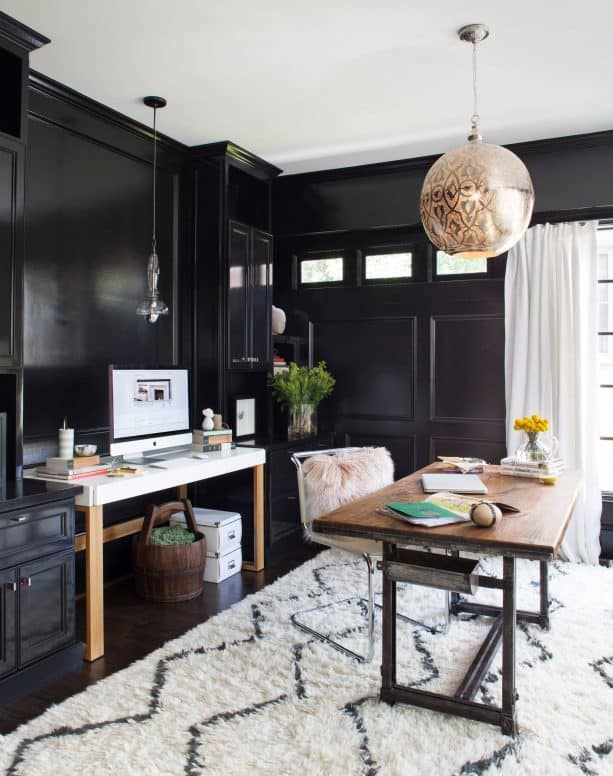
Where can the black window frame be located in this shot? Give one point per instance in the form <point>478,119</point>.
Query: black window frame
<point>418,263</point>
<point>495,269</point>
<point>314,255</point>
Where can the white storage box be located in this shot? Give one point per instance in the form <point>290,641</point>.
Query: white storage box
<point>223,532</point>
<point>218,569</point>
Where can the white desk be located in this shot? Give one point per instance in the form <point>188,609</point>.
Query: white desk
<point>98,491</point>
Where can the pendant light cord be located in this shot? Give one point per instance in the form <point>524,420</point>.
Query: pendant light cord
<point>475,117</point>
<point>155,148</point>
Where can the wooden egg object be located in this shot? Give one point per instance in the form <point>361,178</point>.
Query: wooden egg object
<point>485,514</point>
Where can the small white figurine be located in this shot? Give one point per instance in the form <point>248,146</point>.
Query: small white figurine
<point>207,423</point>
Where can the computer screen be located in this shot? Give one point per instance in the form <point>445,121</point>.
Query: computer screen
<point>149,409</point>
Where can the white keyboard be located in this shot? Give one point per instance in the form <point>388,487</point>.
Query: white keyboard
<point>174,463</point>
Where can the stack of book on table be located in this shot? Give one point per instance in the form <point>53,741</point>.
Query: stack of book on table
<point>512,466</point>
<point>279,364</point>
<point>73,468</point>
<point>210,441</point>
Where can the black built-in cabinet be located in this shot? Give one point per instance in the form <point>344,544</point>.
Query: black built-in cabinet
<point>231,273</point>
<point>37,586</point>
<point>16,43</point>
<point>249,276</point>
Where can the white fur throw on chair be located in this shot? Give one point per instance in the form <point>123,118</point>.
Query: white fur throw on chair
<point>333,480</point>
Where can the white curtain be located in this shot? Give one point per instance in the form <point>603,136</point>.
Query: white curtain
<point>551,357</point>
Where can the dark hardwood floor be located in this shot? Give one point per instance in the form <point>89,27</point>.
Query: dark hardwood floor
<point>134,627</point>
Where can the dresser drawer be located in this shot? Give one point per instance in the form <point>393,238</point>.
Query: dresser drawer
<point>28,533</point>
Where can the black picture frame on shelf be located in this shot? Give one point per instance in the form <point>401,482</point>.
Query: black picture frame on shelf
<point>243,410</point>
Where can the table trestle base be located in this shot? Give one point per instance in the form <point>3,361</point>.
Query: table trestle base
<point>502,631</point>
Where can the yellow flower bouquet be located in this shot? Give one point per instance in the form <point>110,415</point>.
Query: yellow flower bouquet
<point>531,424</point>
<point>533,450</point>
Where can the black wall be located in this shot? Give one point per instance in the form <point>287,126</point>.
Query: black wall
<point>420,366</point>
<point>88,236</point>
<point>569,174</point>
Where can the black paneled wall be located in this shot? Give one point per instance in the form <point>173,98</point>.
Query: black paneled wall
<point>88,232</point>
<point>88,237</point>
<point>420,365</point>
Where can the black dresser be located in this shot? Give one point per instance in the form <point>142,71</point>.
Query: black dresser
<point>37,597</point>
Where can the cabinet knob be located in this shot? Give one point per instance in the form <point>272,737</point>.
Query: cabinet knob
<point>19,518</point>
<point>26,581</point>
<point>232,535</point>
<point>12,586</point>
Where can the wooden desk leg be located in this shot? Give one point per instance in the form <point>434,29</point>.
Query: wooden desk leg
<point>182,492</point>
<point>258,517</point>
<point>388,659</point>
<point>94,584</point>
<point>509,604</point>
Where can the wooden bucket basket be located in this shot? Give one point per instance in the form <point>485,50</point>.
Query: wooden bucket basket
<point>172,573</point>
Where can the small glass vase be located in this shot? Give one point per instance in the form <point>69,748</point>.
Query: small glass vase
<point>533,450</point>
<point>302,421</point>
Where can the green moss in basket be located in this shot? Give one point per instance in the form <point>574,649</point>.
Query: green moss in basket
<point>171,534</point>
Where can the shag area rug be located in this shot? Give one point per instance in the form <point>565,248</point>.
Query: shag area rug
<point>248,693</point>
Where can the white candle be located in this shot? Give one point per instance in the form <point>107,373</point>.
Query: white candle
<point>65,442</point>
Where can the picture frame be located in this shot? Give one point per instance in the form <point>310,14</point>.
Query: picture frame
<point>244,416</point>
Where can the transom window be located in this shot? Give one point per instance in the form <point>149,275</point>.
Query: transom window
<point>449,265</point>
<point>381,266</point>
<point>328,270</point>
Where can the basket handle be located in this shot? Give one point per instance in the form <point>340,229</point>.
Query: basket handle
<point>161,514</point>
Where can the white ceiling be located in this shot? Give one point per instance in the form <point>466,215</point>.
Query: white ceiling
<point>322,84</point>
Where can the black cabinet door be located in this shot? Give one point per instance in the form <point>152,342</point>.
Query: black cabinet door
<point>8,609</point>
<point>11,211</point>
<point>261,270</point>
<point>46,605</point>
<point>239,240</point>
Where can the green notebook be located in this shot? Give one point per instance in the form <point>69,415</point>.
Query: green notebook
<point>420,509</point>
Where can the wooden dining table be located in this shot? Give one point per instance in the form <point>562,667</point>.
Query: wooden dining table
<point>534,532</point>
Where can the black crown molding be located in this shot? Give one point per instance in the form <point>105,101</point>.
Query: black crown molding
<point>50,88</point>
<point>548,145</point>
<point>20,35</point>
<point>235,154</point>
<point>231,151</point>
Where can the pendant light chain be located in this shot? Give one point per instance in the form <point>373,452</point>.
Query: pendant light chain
<point>475,117</point>
<point>153,238</point>
<point>477,199</point>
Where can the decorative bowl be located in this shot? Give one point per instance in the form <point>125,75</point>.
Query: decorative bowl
<point>85,449</point>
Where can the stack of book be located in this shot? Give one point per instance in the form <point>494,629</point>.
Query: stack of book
<point>279,364</point>
<point>73,468</point>
<point>551,468</point>
<point>453,463</point>
<point>210,441</point>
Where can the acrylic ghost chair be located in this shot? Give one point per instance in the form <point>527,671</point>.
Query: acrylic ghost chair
<point>368,549</point>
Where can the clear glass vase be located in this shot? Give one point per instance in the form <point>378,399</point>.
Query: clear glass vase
<point>533,450</point>
<point>302,421</point>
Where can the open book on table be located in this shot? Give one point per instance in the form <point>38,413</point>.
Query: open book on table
<point>438,509</point>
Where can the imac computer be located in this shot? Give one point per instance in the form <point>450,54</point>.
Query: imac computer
<point>149,410</point>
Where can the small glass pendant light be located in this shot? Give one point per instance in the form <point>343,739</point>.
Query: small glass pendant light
<point>477,200</point>
<point>152,307</point>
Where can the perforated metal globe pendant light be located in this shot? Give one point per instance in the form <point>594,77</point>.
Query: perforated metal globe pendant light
<point>152,307</point>
<point>477,200</point>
